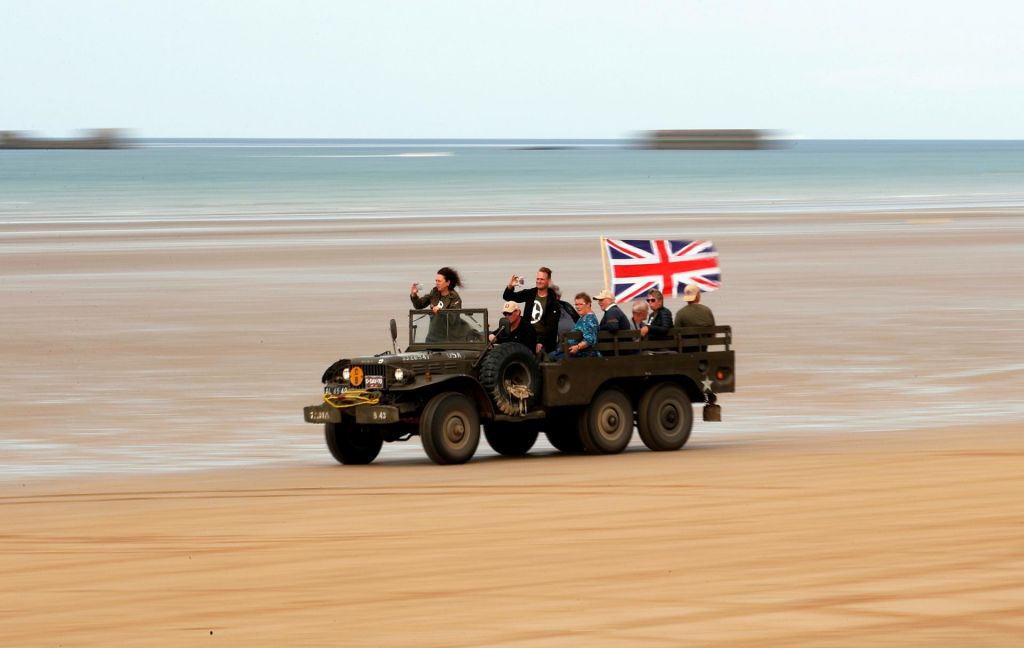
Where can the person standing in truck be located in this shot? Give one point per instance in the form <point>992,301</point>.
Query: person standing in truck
<point>540,306</point>
<point>442,297</point>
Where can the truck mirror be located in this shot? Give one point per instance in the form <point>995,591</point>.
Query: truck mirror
<point>394,330</point>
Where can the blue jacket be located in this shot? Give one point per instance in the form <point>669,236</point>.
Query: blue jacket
<point>614,320</point>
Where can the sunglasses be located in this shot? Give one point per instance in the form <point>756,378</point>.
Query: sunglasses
<point>651,300</point>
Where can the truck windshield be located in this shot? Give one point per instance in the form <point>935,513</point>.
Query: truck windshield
<point>447,326</point>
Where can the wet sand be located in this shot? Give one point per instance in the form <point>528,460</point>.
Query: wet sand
<point>158,484</point>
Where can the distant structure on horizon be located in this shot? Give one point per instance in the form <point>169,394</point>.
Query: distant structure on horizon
<point>100,138</point>
<point>696,139</point>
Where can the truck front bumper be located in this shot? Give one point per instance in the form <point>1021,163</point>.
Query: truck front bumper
<point>321,414</point>
<point>364,414</point>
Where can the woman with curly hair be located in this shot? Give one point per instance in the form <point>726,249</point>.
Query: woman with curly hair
<point>443,327</point>
<point>442,295</point>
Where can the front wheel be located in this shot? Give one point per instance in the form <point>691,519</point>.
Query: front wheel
<point>665,417</point>
<point>450,428</point>
<point>352,444</point>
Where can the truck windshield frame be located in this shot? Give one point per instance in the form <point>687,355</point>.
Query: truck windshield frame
<point>465,328</point>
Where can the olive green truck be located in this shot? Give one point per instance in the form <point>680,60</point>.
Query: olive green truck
<point>450,381</point>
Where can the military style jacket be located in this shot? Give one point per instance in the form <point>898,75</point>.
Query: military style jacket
<point>451,300</point>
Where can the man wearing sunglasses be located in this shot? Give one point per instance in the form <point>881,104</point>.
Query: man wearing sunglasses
<point>514,329</point>
<point>660,324</point>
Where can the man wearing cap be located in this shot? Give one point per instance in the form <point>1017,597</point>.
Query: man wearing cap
<point>515,330</point>
<point>694,313</point>
<point>614,319</point>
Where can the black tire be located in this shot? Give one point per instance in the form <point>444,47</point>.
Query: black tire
<point>511,439</point>
<point>352,444</point>
<point>607,425</point>
<point>450,428</point>
<point>513,364</point>
<point>562,432</point>
<point>665,417</point>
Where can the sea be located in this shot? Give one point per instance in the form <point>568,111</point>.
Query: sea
<point>223,179</point>
<point>246,180</point>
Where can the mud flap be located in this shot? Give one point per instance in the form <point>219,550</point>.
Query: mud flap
<point>712,412</point>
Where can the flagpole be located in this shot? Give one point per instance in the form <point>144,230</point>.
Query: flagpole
<point>604,264</point>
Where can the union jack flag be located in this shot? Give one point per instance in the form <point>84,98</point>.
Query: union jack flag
<point>640,266</point>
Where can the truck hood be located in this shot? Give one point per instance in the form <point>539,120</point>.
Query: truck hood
<point>414,357</point>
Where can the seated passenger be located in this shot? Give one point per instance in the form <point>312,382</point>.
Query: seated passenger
<point>694,314</point>
<point>660,324</point>
<point>614,319</point>
<point>637,322</point>
<point>640,312</point>
<point>587,326</point>
<point>516,330</point>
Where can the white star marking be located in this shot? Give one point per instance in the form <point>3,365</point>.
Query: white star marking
<point>707,384</point>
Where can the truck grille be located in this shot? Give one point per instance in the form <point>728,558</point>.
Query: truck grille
<point>373,376</point>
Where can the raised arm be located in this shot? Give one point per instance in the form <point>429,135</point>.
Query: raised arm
<point>419,302</point>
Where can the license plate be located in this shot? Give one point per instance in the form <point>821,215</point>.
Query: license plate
<point>321,414</point>
<point>379,414</point>
<point>334,390</point>
<point>375,382</point>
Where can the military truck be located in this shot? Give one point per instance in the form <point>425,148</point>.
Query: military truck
<point>450,380</point>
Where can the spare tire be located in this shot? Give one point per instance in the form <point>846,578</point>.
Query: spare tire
<point>511,375</point>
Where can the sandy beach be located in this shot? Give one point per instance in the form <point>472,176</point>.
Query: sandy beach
<point>159,487</point>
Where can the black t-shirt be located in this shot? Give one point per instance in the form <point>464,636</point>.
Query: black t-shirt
<point>537,316</point>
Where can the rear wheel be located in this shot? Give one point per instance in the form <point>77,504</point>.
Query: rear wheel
<point>450,428</point>
<point>352,444</point>
<point>561,431</point>
<point>665,417</point>
<point>511,439</point>
<point>607,425</point>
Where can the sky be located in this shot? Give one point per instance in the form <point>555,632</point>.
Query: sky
<point>526,69</point>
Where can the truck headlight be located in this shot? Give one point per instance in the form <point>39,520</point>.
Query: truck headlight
<point>399,374</point>
<point>345,374</point>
